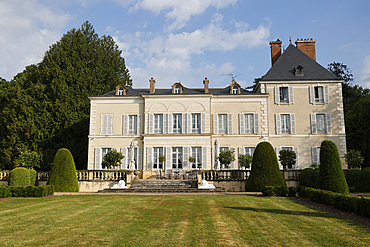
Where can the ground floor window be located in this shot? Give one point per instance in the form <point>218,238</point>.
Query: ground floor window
<point>156,153</point>
<point>250,150</point>
<point>177,158</point>
<point>196,153</point>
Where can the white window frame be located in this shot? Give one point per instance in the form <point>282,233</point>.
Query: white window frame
<point>289,95</point>
<point>195,122</point>
<point>107,124</point>
<point>327,123</point>
<point>249,150</point>
<point>121,91</point>
<point>177,123</point>
<point>235,90</point>
<point>157,151</point>
<point>177,89</point>
<point>176,153</point>
<point>158,123</point>
<point>132,124</point>
<point>222,123</point>
<point>324,99</point>
<point>249,123</point>
<point>285,123</point>
<point>196,152</point>
<point>279,121</point>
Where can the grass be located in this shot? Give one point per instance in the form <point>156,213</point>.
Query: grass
<point>185,220</point>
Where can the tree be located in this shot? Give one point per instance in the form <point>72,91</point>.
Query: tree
<point>29,159</point>
<point>354,159</point>
<point>47,105</point>
<point>112,159</point>
<point>245,160</point>
<point>226,157</point>
<point>287,158</point>
<point>265,169</point>
<point>331,176</point>
<point>63,172</point>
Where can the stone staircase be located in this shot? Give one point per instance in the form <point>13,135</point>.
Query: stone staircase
<point>162,186</point>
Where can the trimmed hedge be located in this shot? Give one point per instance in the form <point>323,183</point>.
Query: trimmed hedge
<point>63,172</point>
<point>265,169</point>
<point>308,177</point>
<point>26,191</point>
<point>354,204</point>
<point>274,190</point>
<point>19,177</point>
<point>33,177</point>
<point>331,176</point>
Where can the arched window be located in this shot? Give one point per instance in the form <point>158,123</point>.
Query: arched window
<point>120,91</point>
<point>235,90</point>
<point>177,89</point>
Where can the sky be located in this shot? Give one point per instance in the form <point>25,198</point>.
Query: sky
<point>188,40</point>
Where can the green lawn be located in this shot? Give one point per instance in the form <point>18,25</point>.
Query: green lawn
<point>186,220</point>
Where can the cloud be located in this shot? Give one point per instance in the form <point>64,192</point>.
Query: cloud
<point>168,57</point>
<point>365,72</point>
<point>179,11</point>
<point>27,30</point>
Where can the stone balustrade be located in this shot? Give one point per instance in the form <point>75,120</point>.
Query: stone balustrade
<point>235,175</point>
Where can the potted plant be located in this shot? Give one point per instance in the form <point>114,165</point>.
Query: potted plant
<point>191,160</point>
<point>199,165</point>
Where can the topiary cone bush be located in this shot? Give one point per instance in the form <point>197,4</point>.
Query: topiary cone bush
<point>265,169</point>
<point>63,172</point>
<point>331,176</point>
<point>19,177</point>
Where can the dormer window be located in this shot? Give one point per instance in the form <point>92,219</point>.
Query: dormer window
<point>120,90</point>
<point>298,71</point>
<point>234,87</point>
<point>235,90</point>
<point>177,88</point>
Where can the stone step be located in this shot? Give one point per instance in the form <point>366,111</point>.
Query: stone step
<point>190,190</point>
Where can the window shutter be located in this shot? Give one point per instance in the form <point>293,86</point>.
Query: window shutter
<point>125,124</point>
<point>256,126</point>
<point>110,124</point>
<point>291,96</point>
<point>215,123</point>
<point>165,125</point>
<point>313,124</point>
<point>138,127</point>
<point>214,156</point>
<point>241,124</point>
<point>151,123</point>
<point>312,94</point>
<point>314,155</point>
<point>149,158</point>
<point>188,124</point>
<point>123,161</point>
<point>203,123</point>
<point>232,163</point>
<point>98,159</point>
<point>326,94</point>
<point>170,123</point>
<point>277,96</point>
<point>168,158</point>
<point>187,165</point>
<point>183,125</point>
<point>328,124</point>
<point>218,153</point>
<point>229,123</point>
<point>277,155</point>
<point>103,124</point>
<point>278,124</point>
<point>241,150</point>
<point>204,158</point>
<point>292,123</point>
<point>297,159</point>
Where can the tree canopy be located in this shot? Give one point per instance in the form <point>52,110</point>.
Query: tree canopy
<point>46,107</point>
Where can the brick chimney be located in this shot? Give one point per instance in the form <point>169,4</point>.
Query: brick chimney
<point>206,82</point>
<point>275,50</point>
<point>152,85</point>
<point>307,46</point>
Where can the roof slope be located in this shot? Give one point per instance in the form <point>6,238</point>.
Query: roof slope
<point>283,68</point>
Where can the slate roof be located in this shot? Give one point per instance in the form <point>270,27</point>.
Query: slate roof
<point>186,91</point>
<point>283,68</point>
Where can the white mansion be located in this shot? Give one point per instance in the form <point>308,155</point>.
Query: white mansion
<point>296,106</point>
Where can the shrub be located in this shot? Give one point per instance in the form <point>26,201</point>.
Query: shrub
<point>5,192</point>
<point>19,177</point>
<point>331,176</point>
<point>245,160</point>
<point>281,190</point>
<point>29,159</point>
<point>112,160</point>
<point>354,179</point>
<point>63,172</point>
<point>30,191</point>
<point>365,178</point>
<point>287,158</point>
<point>33,177</point>
<point>265,169</point>
<point>292,191</point>
<point>226,157</point>
<point>268,190</point>
<point>354,159</point>
<point>308,177</point>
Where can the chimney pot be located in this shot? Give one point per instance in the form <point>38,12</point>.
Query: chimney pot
<point>307,46</point>
<point>152,85</point>
<point>206,82</point>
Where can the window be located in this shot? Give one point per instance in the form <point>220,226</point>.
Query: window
<point>177,123</point>
<point>284,95</point>
<point>283,92</point>
<point>249,124</point>
<point>104,151</point>
<point>156,153</point>
<point>316,155</point>
<point>250,150</point>
<point>107,120</point>
<point>120,91</point>
<point>319,95</point>
<point>321,123</point>
<point>195,123</point>
<point>177,89</point>
<point>176,158</point>
<point>285,124</point>
<point>132,123</point>
<point>222,123</point>
<point>158,123</point>
<point>197,154</point>
<point>235,90</point>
